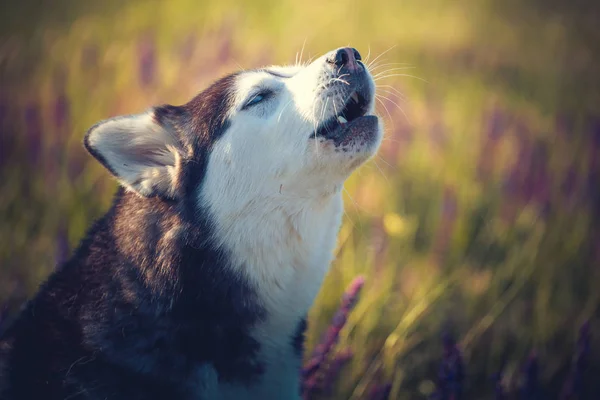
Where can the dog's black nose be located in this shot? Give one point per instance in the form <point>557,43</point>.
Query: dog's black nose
<point>345,56</point>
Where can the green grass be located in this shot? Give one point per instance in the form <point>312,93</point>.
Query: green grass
<point>499,269</point>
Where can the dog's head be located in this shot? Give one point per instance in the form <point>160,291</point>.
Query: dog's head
<point>298,130</point>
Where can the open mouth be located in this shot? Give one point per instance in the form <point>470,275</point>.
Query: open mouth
<point>356,107</point>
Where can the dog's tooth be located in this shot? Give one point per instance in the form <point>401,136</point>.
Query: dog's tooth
<point>342,120</point>
<point>354,97</point>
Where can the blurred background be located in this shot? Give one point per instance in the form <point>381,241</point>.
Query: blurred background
<point>479,219</point>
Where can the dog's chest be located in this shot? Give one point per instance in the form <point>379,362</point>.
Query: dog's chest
<point>285,257</point>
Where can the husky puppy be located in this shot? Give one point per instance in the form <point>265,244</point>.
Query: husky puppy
<point>197,281</point>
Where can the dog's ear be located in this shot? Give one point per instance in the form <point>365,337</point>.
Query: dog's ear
<point>142,151</point>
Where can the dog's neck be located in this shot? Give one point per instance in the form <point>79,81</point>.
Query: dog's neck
<point>283,243</point>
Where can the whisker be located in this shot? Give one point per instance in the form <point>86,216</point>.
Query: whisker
<point>395,95</point>
<point>239,66</point>
<point>386,109</point>
<point>368,54</point>
<point>282,110</point>
<point>407,65</point>
<point>390,100</point>
<point>392,75</point>
<point>393,89</point>
<point>316,124</point>
<point>302,50</point>
<point>309,60</point>
<point>390,70</point>
<point>382,174</point>
<point>383,160</point>
<point>334,107</point>
<point>324,85</point>
<point>399,108</point>
<point>340,80</point>
<point>389,139</point>
<point>356,207</point>
<point>370,67</point>
<point>381,55</point>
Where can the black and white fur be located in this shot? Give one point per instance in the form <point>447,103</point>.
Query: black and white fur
<point>197,281</point>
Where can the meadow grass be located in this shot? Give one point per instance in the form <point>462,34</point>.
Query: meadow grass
<point>478,217</point>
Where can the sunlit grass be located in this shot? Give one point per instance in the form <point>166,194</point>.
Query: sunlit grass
<point>477,215</point>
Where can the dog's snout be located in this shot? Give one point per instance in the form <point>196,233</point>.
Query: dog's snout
<point>344,57</point>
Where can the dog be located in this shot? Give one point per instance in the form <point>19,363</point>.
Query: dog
<point>197,281</point>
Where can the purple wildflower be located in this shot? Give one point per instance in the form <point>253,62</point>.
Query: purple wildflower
<point>516,184</point>
<point>380,392</point>
<point>583,355</point>
<point>594,126</point>
<point>333,370</point>
<point>451,373</point>
<point>569,184</point>
<point>188,48</point>
<point>496,125</point>
<point>574,384</point>
<point>499,390</point>
<point>538,177</point>
<point>310,372</point>
<point>147,60</point>
<point>61,111</point>
<point>449,209</point>
<point>33,136</point>
<point>530,389</point>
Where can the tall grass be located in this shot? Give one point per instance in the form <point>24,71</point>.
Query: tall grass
<point>479,216</point>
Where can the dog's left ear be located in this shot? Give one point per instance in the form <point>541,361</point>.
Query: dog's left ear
<point>142,151</point>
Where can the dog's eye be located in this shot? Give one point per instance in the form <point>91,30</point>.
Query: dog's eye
<point>257,98</point>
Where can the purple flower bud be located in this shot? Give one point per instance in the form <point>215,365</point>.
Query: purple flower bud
<point>582,357</point>
<point>147,61</point>
<point>574,384</point>
<point>594,127</point>
<point>333,370</point>
<point>380,392</point>
<point>530,389</point>
<point>61,112</point>
<point>310,371</point>
<point>569,183</point>
<point>188,47</point>
<point>451,371</point>
<point>496,125</point>
<point>33,135</point>
<point>449,209</point>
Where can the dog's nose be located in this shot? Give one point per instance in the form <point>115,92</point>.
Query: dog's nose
<point>345,56</point>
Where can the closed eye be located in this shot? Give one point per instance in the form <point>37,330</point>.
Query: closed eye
<point>257,98</point>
